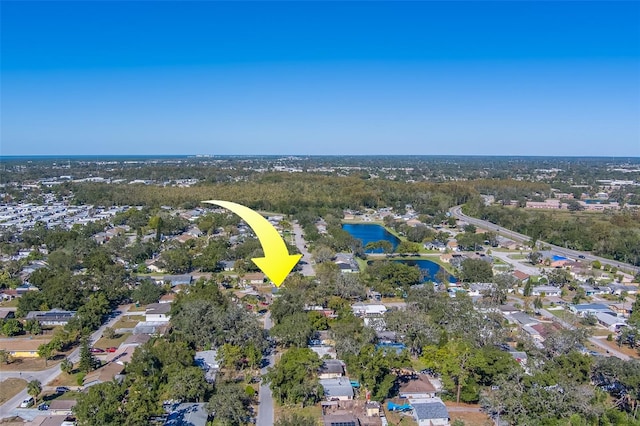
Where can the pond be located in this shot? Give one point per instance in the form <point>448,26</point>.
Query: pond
<point>370,233</point>
<point>429,269</point>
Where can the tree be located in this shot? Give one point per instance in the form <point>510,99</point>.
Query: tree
<point>452,361</point>
<point>476,270</point>
<point>45,351</point>
<point>88,362</point>
<point>101,405</point>
<point>534,257</point>
<point>147,292</point>
<point>11,327</point>
<point>229,404</point>
<point>293,330</point>
<point>407,247</point>
<point>559,277</point>
<point>187,384</point>
<point>34,388</point>
<point>5,357</point>
<point>109,333</point>
<point>294,378</point>
<point>66,366</point>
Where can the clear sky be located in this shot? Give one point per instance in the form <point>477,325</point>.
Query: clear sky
<point>492,78</point>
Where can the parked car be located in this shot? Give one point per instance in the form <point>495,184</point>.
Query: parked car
<point>96,350</point>
<point>62,389</point>
<point>112,349</point>
<point>27,402</point>
<point>43,407</point>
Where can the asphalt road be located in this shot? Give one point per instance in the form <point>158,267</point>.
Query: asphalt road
<point>307,269</point>
<point>521,238</point>
<point>10,408</point>
<point>265,398</point>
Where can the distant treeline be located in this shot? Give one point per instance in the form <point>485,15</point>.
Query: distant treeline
<point>287,193</point>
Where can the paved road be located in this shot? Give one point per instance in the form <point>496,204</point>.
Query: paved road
<point>9,408</point>
<point>610,351</point>
<point>265,399</point>
<point>521,238</point>
<point>307,269</point>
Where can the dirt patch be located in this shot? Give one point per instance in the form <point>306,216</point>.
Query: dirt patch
<point>31,364</point>
<point>10,388</point>
<point>470,414</point>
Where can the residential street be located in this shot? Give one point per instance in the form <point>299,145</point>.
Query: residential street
<point>307,269</point>
<point>9,408</point>
<point>265,399</point>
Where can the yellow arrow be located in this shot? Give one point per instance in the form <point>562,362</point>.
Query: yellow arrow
<point>277,262</point>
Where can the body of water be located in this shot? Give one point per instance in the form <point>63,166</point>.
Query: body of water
<point>429,269</point>
<point>370,233</point>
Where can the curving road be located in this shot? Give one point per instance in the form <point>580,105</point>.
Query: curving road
<point>521,238</point>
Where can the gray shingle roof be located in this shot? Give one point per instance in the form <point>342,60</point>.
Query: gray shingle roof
<point>430,410</point>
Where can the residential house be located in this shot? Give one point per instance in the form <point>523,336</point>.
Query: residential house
<point>435,245</point>
<point>546,290</point>
<point>610,322</point>
<point>417,388</point>
<point>175,280</point>
<point>361,309</point>
<point>430,412</point>
<point>53,420</point>
<point>22,348</point>
<point>227,265</point>
<point>253,278</point>
<point>331,369</point>
<point>590,309</point>
<point>188,414</point>
<point>158,312</point>
<point>7,313</point>
<point>338,389</point>
<point>167,298</point>
<point>345,419</point>
<point>104,374</point>
<point>62,406</point>
<point>523,277</point>
<point>52,317</point>
<point>208,361</point>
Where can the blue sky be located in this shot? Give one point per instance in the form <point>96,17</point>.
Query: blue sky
<point>492,78</point>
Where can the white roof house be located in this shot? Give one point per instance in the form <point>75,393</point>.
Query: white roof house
<point>364,309</point>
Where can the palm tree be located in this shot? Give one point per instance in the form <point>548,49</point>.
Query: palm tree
<point>34,388</point>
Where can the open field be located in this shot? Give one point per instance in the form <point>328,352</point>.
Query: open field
<point>10,388</point>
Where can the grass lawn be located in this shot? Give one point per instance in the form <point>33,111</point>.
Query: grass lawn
<point>128,321</point>
<point>64,379</point>
<point>314,411</point>
<point>13,303</point>
<point>10,388</point>
<point>104,343</point>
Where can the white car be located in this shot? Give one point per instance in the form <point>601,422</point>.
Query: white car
<point>27,403</point>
